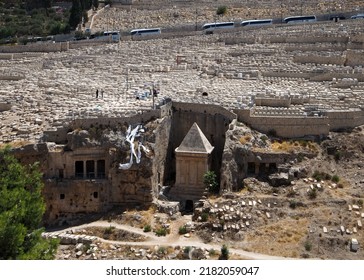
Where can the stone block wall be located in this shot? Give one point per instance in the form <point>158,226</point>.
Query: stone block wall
<point>112,122</point>
<point>272,102</point>
<point>43,47</point>
<point>344,119</point>
<point>316,59</point>
<point>286,126</point>
<point>291,127</point>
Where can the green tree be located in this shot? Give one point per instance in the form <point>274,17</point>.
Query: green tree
<point>21,211</point>
<point>76,13</point>
<point>210,181</point>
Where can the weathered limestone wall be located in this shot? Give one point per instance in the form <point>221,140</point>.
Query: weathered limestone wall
<point>339,60</point>
<point>52,47</point>
<point>59,134</point>
<point>112,122</point>
<point>344,119</point>
<point>291,127</point>
<point>286,126</point>
<point>56,135</point>
<point>43,47</point>
<point>67,200</point>
<point>272,102</point>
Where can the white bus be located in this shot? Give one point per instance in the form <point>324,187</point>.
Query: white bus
<point>146,31</point>
<point>300,19</point>
<point>115,35</point>
<point>256,22</point>
<point>210,27</point>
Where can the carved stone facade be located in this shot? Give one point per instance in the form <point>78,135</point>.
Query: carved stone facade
<point>192,162</point>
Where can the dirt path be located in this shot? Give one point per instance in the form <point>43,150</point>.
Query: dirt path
<point>172,239</point>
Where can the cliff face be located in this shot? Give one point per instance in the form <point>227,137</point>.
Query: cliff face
<point>84,176</point>
<point>248,153</point>
<point>237,153</point>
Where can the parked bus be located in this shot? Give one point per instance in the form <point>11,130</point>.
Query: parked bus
<point>115,35</point>
<point>300,19</point>
<point>210,27</point>
<point>146,31</point>
<point>357,16</point>
<point>256,22</point>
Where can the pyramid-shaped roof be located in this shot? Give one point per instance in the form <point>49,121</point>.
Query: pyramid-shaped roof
<point>195,142</point>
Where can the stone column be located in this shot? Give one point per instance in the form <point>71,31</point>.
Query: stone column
<point>256,168</point>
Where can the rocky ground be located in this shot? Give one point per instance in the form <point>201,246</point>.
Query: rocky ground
<point>315,216</point>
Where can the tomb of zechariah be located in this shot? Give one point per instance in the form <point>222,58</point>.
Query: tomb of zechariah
<point>168,108</point>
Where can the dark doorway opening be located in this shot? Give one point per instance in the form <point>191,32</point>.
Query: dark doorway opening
<point>251,168</point>
<point>90,169</point>
<point>79,169</point>
<point>188,206</point>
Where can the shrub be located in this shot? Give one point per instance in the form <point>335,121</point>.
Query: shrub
<point>187,250</point>
<point>337,155</point>
<point>308,246</point>
<point>317,175</point>
<point>162,250</point>
<point>212,252</point>
<point>335,178</point>
<point>224,253</point>
<point>147,228</point>
<point>161,231</point>
<point>182,230</point>
<point>109,230</point>
<point>204,217</point>
<point>293,204</point>
<point>221,10</point>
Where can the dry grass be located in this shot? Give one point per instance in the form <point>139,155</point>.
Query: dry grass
<point>138,218</point>
<point>15,144</point>
<point>283,238</point>
<point>295,146</point>
<point>245,139</point>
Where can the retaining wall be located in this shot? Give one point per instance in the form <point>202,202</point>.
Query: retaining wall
<point>34,47</point>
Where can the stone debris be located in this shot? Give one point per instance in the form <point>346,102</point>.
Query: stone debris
<point>342,229</point>
<point>359,224</point>
<point>355,207</point>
